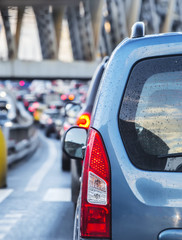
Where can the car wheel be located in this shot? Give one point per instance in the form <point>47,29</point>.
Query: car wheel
<point>65,162</point>
<point>47,134</point>
<point>57,136</point>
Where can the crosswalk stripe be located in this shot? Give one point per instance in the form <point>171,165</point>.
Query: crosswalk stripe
<point>8,221</point>
<point>5,228</point>
<point>58,195</point>
<point>4,193</point>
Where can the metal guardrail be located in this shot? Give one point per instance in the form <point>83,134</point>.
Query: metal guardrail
<point>22,140</point>
<point>17,151</point>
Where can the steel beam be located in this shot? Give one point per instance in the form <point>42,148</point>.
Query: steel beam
<point>168,21</point>
<point>18,27</point>
<point>6,3</point>
<point>133,9</point>
<point>57,14</point>
<point>96,10</point>
<point>47,69</point>
<point>9,36</point>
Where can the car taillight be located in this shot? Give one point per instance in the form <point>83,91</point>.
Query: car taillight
<point>96,192</point>
<point>63,97</point>
<point>31,109</point>
<point>71,97</point>
<point>84,120</point>
<point>66,126</point>
<point>26,103</point>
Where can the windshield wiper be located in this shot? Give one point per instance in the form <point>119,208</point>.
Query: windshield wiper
<point>170,155</point>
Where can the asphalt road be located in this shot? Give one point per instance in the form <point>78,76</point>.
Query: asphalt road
<point>37,205</point>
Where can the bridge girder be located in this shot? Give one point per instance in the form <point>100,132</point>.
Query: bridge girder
<point>92,23</point>
<point>7,3</point>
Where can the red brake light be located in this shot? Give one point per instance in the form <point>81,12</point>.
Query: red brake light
<point>84,120</point>
<point>35,104</point>
<point>66,127</point>
<point>63,97</point>
<point>31,109</point>
<point>26,103</point>
<point>53,107</point>
<point>96,203</point>
<point>21,83</point>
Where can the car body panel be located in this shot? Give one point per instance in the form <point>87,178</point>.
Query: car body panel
<point>144,203</point>
<point>76,165</point>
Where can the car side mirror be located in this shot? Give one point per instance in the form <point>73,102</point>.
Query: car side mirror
<point>74,142</point>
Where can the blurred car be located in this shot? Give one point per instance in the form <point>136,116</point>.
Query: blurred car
<point>3,160</point>
<point>83,120</point>
<point>4,120</point>
<point>36,109</point>
<point>131,180</point>
<point>67,97</point>
<point>52,121</point>
<point>8,104</point>
<point>71,112</point>
<point>56,105</point>
<point>28,99</point>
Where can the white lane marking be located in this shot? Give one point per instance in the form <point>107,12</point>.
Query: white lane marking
<point>8,222</point>
<point>4,193</point>
<point>4,228</point>
<point>34,183</point>
<point>13,215</point>
<point>58,195</point>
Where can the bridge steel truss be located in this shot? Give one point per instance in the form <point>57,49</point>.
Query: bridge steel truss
<point>95,26</point>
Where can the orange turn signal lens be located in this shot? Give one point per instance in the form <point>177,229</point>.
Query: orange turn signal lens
<point>71,97</point>
<point>84,120</point>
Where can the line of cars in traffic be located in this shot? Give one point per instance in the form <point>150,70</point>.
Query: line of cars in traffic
<point>132,152</point>
<point>49,108</point>
<point>127,144</point>
<point>21,107</point>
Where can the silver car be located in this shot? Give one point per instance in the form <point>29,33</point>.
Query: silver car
<point>131,184</point>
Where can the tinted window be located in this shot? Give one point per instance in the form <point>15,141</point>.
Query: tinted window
<point>150,119</point>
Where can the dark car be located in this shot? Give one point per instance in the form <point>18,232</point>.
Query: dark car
<point>131,181</point>
<point>53,122</point>
<point>4,118</point>
<point>28,99</point>
<point>83,120</point>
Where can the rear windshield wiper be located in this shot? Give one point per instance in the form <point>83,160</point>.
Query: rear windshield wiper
<point>170,155</point>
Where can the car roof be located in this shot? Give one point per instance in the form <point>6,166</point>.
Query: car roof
<point>134,49</point>
<point>119,66</point>
<point>51,111</point>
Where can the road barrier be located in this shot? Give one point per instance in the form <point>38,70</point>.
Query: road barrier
<point>22,141</point>
<point>21,137</point>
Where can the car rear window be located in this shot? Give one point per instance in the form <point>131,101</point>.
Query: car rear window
<point>150,118</point>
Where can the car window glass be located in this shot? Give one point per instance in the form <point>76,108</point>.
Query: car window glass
<point>151,114</point>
